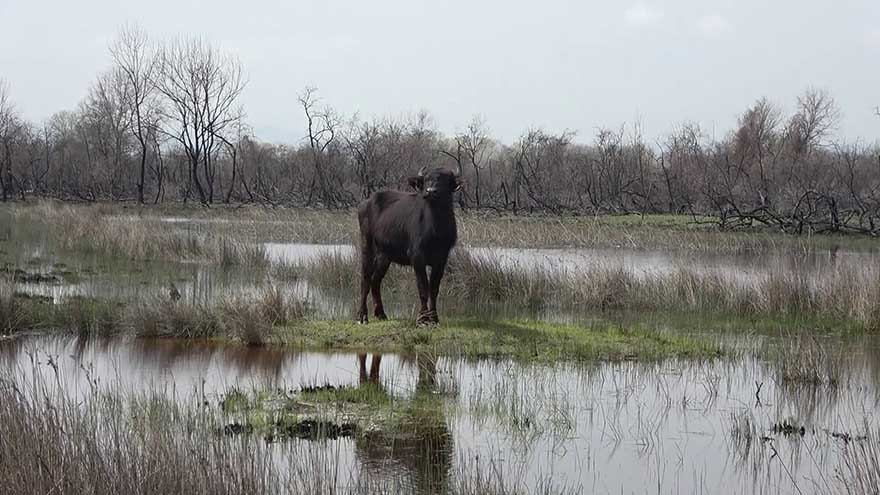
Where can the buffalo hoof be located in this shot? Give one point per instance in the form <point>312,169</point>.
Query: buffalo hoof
<point>380,315</point>
<point>362,319</point>
<point>427,318</point>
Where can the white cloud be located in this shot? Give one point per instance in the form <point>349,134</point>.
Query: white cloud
<point>872,38</point>
<point>641,15</point>
<point>713,25</point>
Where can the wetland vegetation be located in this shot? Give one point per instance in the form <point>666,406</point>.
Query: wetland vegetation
<point>173,337</point>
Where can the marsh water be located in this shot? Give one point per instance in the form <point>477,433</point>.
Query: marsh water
<point>728,425</point>
<point>25,248</point>
<point>627,427</point>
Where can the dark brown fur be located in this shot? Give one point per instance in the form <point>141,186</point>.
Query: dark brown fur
<point>411,229</point>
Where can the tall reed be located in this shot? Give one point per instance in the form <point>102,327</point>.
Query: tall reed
<point>140,238</point>
<point>859,472</point>
<point>841,292</point>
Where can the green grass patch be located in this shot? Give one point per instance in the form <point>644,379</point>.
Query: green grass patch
<point>369,394</point>
<point>517,339</point>
<point>732,323</point>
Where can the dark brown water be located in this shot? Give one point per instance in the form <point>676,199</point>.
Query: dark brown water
<point>669,427</point>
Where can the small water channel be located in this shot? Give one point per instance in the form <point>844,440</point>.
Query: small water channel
<point>673,426</point>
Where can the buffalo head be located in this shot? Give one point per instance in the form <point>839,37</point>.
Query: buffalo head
<point>437,183</point>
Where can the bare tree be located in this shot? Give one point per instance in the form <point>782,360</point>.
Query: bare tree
<point>201,87</point>
<point>10,126</point>
<point>108,121</point>
<point>237,132</point>
<point>324,125</point>
<point>474,147</point>
<point>364,143</point>
<point>755,142</point>
<point>817,115</point>
<point>137,63</point>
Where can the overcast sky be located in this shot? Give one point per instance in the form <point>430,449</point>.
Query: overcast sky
<point>554,64</point>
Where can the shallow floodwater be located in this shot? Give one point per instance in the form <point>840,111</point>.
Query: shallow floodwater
<point>627,427</point>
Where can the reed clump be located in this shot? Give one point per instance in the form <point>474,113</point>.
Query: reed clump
<point>251,320</point>
<point>162,317</point>
<point>248,317</point>
<point>84,315</point>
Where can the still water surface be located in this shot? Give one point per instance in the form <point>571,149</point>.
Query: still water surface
<point>605,427</point>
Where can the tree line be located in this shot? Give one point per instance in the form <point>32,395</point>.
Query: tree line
<point>165,123</point>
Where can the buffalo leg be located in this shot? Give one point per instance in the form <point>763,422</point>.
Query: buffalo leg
<point>367,263</point>
<point>424,293</point>
<point>379,270</point>
<point>362,367</point>
<point>436,276</point>
<point>373,377</point>
<point>374,367</point>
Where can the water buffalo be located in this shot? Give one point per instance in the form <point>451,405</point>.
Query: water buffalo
<point>411,229</point>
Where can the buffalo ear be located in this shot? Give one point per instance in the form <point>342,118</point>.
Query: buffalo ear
<point>416,182</point>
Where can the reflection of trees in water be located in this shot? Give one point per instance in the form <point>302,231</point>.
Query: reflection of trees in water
<point>163,354</point>
<point>115,356</point>
<point>419,445</point>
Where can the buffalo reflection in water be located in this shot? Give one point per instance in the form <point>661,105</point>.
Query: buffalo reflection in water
<point>421,447</point>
